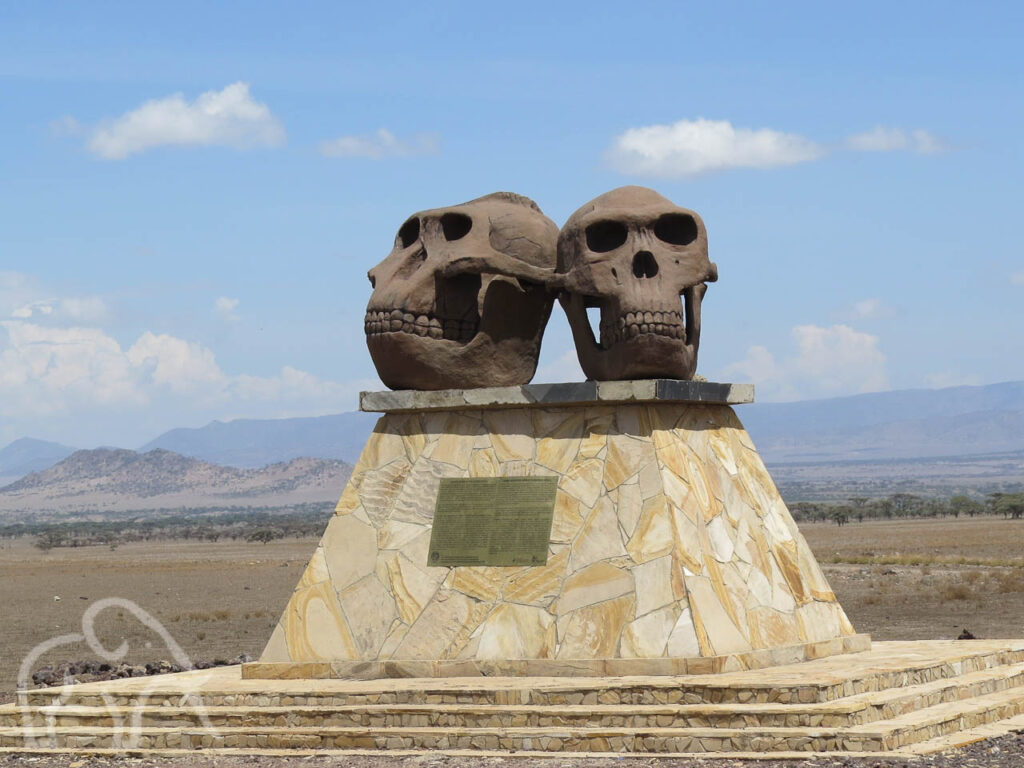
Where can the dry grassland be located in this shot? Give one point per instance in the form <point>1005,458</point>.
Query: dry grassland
<point>218,600</point>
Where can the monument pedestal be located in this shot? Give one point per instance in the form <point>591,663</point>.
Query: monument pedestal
<point>670,549</point>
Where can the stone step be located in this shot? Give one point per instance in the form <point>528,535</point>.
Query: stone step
<point>894,733</point>
<point>938,721</point>
<point>859,709</point>
<point>809,682</point>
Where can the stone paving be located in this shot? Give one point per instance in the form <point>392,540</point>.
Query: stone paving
<point>899,698</point>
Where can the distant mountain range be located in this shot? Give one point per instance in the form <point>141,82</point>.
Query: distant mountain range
<point>30,455</point>
<point>905,424</point>
<point>106,480</point>
<point>258,442</point>
<point>182,464</point>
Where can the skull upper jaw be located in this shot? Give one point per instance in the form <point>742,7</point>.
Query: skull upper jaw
<point>495,343</point>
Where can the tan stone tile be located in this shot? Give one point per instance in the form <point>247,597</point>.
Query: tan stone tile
<point>455,444</point>
<point>438,628</point>
<point>682,640</point>
<point>538,586</point>
<point>379,488</point>
<point>517,632</point>
<point>600,537</point>
<point>482,583</point>
<point>583,480</point>
<point>394,534</point>
<point>393,639</point>
<point>653,585</point>
<point>649,480</point>
<point>719,442</point>
<point>593,632</point>
<point>687,541</point>
<point>626,457</point>
<point>634,420</point>
<point>349,500</point>
<point>484,463</point>
<point>384,444</point>
<point>654,533</point>
<point>594,584</point>
<point>628,505</point>
<point>598,423</point>
<point>511,433</point>
<point>350,550</point>
<point>712,619</point>
<point>786,556</point>
<point>417,497</point>
<point>567,520</point>
<point>412,586</point>
<point>316,569</point>
<point>560,435</point>
<point>648,636</point>
<point>315,627</point>
<point>277,646</point>
<point>411,430</point>
<point>370,610</point>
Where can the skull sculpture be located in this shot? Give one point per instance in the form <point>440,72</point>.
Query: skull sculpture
<point>644,262</point>
<point>463,297</point>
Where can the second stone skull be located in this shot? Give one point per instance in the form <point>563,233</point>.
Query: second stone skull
<point>641,262</point>
<point>462,299</point>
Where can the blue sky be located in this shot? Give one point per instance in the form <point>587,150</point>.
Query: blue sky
<point>191,194</point>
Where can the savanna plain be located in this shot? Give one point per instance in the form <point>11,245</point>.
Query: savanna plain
<point>897,580</point>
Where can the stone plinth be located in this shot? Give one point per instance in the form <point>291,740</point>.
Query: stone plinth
<point>671,550</point>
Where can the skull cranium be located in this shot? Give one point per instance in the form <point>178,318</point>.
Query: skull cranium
<point>463,298</point>
<point>644,262</point>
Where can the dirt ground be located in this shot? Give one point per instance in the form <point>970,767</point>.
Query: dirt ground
<point>218,600</point>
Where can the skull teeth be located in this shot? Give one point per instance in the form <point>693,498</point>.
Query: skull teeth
<point>397,321</point>
<point>632,324</point>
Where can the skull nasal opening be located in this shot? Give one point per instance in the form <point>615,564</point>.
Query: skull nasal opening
<point>644,264</point>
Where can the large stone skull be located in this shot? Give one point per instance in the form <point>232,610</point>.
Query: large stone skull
<point>463,297</point>
<point>644,262</point>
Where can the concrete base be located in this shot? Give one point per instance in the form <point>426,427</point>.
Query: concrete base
<point>897,700</point>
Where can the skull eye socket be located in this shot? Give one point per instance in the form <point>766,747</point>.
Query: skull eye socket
<point>409,233</point>
<point>604,236</point>
<point>455,225</point>
<point>676,229</point>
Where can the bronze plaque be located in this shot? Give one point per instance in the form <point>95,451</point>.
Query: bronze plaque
<point>492,521</point>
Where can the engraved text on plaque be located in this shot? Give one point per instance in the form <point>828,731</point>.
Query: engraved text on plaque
<point>492,521</point>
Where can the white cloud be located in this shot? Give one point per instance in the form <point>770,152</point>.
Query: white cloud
<point>381,144</point>
<point>693,147</point>
<point>224,118</point>
<point>690,148</point>
<point>225,307</point>
<point>881,139</point>
<point>1017,278</point>
<point>826,362</point>
<point>48,372</point>
<point>83,308</point>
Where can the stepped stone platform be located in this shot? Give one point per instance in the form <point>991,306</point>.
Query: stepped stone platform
<point>898,699</point>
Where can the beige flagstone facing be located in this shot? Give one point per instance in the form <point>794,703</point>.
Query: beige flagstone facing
<point>669,541</point>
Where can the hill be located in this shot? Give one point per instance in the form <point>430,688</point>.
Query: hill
<point>258,442</point>
<point>107,480</point>
<point>30,455</point>
<point>904,424</point>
